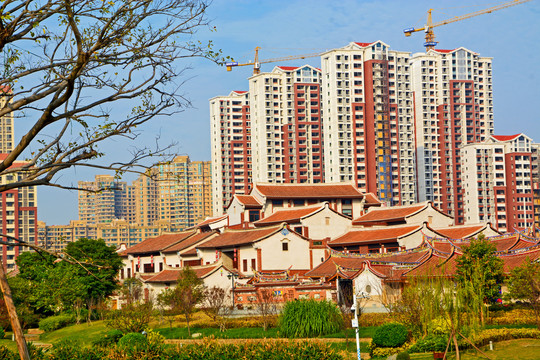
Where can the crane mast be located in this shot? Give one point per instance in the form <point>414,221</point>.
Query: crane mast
<point>430,42</point>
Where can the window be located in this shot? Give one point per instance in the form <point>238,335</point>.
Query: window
<point>244,265</point>
<point>285,246</point>
<point>253,264</point>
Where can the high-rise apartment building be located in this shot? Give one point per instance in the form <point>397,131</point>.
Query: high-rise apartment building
<point>230,128</point>
<point>103,200</point>
<point>184,189</point>
<point>144,200</point>
<point>535,170</point>
<point>453,108</point>
<point>7,131</point>
<point>286,131</point>
<point>497,182</point>
<point>369,120</point>
<point>18,217</point>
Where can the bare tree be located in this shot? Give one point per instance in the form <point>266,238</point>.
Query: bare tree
<point>265,306</point>
<point>83,72</point>
<point>217,305</point>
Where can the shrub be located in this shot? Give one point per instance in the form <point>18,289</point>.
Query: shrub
<point>485,336</point>
<point>2,333</point>
<point>109,338</point>
<point>430,343</point>
<point>308,318</point>
<point>133,343</point>
<point>376,351</point>
<point>403,356</point>
<point>512,317</point>
<point>7,354</point>
<point>390,335</point>
<point>70,350</point>
<point>56,322</point>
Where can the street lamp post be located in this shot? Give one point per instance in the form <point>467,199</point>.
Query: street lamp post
<point>356,309</point>
<point>232,276</point>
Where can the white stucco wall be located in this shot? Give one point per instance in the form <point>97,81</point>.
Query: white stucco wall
<point>274,258</point>
<point>326,223</point>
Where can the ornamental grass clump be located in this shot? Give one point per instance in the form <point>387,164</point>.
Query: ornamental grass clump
<point>308,318</point>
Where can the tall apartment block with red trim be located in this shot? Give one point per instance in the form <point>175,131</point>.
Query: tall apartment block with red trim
<point>369,120</point>
<point>18,217</point>
<point>453,107</point>
<point>230,128</point>
<point>497,180</point>
<point>286,125</point>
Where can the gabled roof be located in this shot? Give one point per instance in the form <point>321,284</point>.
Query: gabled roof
<point>195,239</point>
<point>371,235</point>
<point>389,214</point>
<point>211,220</point>
<point>460,231</point>
<point>363,44</point>
<point>171,275</point>
<point>289,216</point>
<point>248,201</point>
<point>505,137</point>
<point>239,237</point>
<point>158,243</point>
<point>309,191</point>
<point>287,68</point>
<point>443,51</point>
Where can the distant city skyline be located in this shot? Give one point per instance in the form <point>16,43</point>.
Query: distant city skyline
<point>509,36</point>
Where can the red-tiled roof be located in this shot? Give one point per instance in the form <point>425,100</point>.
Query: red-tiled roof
<point>444,51</point>
<point>505,137</point>
<point>461,231</point>
<point>370,235</point>
<point>157,244</point>
<point>311,191</point>
<point>514,260</point>
<point>248,201</point>
<point>388,214</point>
<point>521,244</point>
<point>288,68</point>
<point>171,275</point>
<point>238,237</point>
<point>211,220</point>
<point>435,265</point>
<point>362,44</point>
<point>288,216</point>
<point>240,91</point>
<point>195,239</point>
<point>371,199</point>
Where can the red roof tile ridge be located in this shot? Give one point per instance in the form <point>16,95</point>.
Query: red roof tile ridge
<point>505,137</point>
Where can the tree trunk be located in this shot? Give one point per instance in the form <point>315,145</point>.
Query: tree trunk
<point>456,345</point>
<point>13,318</point>
<point>188,329</point>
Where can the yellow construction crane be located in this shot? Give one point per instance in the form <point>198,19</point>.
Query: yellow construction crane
<point>257,64</point>
<point>428,28</point>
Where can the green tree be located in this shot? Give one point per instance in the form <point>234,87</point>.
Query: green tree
<point>89,274</point>
<point>82,72</point>
<point>481,272</point>
<point>186,296</point>
<point>524,284</point>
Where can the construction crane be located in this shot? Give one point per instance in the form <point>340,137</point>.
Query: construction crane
<point>428,28</point>
<point>257,64</point>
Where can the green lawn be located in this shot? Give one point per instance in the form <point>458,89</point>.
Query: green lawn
<point>85,334</point>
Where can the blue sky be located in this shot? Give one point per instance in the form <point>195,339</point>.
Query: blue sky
<point>281,28</point>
